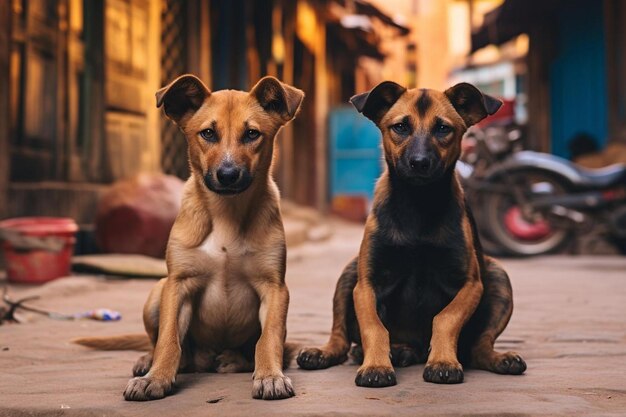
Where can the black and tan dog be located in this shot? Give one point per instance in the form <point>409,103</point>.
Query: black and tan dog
<point>223,306</point>
<point>420,289</point>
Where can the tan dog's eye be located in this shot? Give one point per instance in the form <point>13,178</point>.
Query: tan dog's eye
<point>251,135</point>
<point>208,135</point>
<point>401,128</point>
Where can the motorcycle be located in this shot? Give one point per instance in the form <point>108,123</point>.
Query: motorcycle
<point>530,203</point>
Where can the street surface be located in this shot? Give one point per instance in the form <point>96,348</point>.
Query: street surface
<point>569,324</point>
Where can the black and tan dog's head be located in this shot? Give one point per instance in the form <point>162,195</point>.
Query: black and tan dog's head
<point>230,133</point>
<point>422,129</point>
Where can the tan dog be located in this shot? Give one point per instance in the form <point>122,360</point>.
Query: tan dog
<point>223,306</point>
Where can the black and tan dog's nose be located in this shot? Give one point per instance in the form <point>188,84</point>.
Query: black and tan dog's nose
<point>228,174</point>
<point>420,164</point>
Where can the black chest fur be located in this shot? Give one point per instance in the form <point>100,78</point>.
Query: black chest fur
<point>418,259</point>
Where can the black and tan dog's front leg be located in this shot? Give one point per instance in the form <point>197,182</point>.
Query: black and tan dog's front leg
<point>174,317</point>
<point>443,366</point>
<point>376,370</point>
<point>269,381</point>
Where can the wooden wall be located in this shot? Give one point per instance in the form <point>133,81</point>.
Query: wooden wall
<point>615,33</point>
<point>541,49</point>
<point>5,33</point>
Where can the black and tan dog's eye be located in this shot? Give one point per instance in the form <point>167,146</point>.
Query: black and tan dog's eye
<point>442,130</point>
<point>251,135</point>
<point>208,135</point>
<point>401,128</point>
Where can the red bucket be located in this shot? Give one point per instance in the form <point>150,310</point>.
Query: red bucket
<point>37,249</point>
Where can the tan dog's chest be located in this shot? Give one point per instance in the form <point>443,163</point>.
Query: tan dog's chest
<point>228,313</point>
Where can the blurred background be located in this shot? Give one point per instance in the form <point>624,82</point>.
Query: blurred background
<point>91,174</point>
<point>78,115</point>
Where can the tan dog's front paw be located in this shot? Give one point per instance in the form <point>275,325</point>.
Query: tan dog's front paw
<point>443,373</point>
<point>146,388</point>
<point>276,387</point>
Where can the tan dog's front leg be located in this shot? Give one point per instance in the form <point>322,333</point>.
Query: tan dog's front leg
<point>174,317</point>
<point>269,381</point>
<point>443,366</point>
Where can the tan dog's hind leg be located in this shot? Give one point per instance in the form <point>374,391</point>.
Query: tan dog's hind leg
<point>151,324</point>
<point>498,297</point>
<point>231,361</point>
<point>269,381</point>
<point>174,316</point>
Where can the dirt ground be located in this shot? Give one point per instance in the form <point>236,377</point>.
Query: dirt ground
<point>569,324</point>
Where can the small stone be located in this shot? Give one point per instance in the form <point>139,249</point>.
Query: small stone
<point>215,400</point>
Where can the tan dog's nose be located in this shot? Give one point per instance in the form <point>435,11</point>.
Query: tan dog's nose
<point>228,174</point>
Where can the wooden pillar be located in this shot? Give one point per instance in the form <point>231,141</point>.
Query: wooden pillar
<point>5,42</point>
<point>286,141</point>
<point>615,35</point>
<point>321,114</point>
<point>94,78</point>
<point>199,40</point>
<point>539,56</point>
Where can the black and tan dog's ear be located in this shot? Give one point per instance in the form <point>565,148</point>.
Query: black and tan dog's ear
<point>472,105</point>
<point>277,97</point>
<point>185,94</point>
<point>376,102</point>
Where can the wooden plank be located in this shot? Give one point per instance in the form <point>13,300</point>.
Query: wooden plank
<point>287,170</point>
<point>5,36</point>
<point>60,150</point>
<point>321,111</point>
<point>93,126</point>
<point>615,35</point>
<point>539,53</point>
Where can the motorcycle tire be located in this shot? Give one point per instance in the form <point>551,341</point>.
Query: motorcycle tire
<point>497,206</point>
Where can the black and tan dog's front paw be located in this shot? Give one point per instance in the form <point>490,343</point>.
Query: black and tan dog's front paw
<point>272,388</point>
<point>509,363</point>
<point>375,377</point>
<point>443,373</point>
<point>314,358</point>
<point>147,388</point>
<point>403,356</point>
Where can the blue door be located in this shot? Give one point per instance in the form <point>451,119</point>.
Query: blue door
<point>578,75</point>
<point>355,153</point>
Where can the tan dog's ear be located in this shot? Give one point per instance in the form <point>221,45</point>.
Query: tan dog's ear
<point>186,93</point>
<point>376,102</point>
<point>277,97</point>
<point>472,105</point>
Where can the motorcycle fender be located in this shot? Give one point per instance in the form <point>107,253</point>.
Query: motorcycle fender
<point>529,160</point>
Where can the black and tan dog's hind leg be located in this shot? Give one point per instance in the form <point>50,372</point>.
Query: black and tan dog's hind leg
<point>335,351</point>
<point>496,307</point>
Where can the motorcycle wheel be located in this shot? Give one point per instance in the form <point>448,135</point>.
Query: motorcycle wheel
<point>514,233</point>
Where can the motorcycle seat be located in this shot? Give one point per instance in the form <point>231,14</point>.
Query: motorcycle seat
<point>603,177</point>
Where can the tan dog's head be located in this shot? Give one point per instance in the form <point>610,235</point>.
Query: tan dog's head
<point>422,129</point>
<point>230,133</point>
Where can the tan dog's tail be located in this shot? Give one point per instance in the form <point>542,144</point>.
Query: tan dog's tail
<point>121,342</point>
